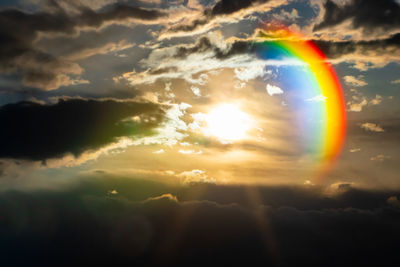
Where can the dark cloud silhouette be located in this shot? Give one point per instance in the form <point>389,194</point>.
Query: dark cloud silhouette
<point>336,49</point>
<point>87,226</point>
<point>226,7</point>
<point>38,132</point>
<point>369,15</point>
<point>332,49</point>
<point>19,30</point>
<point>221,8</point>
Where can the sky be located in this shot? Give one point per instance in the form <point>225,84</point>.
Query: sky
<point>200,132</point>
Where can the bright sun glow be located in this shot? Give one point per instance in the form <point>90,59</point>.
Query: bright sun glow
<point>228,123</point>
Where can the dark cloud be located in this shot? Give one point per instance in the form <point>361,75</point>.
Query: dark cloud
<point>331,49</point>
<point>369,15</point>
<point>202,45</point>
<point>85,227</point>
<point>226,7</point>
<point>221,8</point>
<point>19,30</point>
<point>335,49</point>
<point>37,132</point>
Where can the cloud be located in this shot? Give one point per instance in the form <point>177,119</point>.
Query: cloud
<point>377,100</point>
<point>190,152</point>
<point>196,90</point>
<point>165,225</point>
<point>363,54</point>
<point>358,101</point>
<point>372,127</point>
<point>224,11</point>
<point>19,32</point>
<point>366,15</point>
<point>194,177</point>
<point>379,157</point>
<point>104,49</point>
<point>395,81</point>
<point>273,90</point>
<point>355,81</point>
<point>161,151</point>
<point>317,98</point>
<point>38,132</point>
<point>215,53</point>
<point>163,197</point>
<point>394,201</point>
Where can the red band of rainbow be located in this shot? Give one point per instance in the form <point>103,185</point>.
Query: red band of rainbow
<point>329,138</point>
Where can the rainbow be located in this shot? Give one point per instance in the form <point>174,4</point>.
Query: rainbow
<point>315,91</point>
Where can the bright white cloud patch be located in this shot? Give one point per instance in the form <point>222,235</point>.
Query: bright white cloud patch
<point>190,151</point>
<point>318,98</point>
<point>196,91</point>
<point>274,90</point>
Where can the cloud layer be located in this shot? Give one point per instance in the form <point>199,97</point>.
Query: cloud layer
<point>38,132</point>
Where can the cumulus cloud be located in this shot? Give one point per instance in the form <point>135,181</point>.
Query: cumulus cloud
<point>355,81</point>
<point>273,90</point>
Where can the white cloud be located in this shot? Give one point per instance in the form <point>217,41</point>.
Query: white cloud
<point>368,126</point>
<point>355,81</point>
<point>188,152</point>
<point>162,63</point>
<point>357,107</point>
<point>376,101</point>
<point>170,131</point>
<point>196,176</point>
<point>395,81</point>
<point>379,157</point>
<point>196,91</point>
<point>169,197</point>
<point>353,150</point>
<point>318,98</point>
<point>273,90</point>
<point>251,72</point>
<point>161,151</point>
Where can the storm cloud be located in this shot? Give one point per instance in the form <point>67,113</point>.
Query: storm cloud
<point>37,132</point>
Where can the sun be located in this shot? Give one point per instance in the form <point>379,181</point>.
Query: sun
<point>228,123</point>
